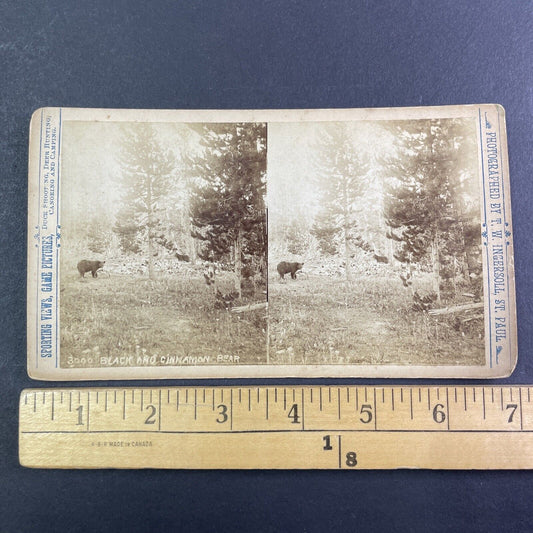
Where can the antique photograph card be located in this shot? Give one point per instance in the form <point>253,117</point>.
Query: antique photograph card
<point>270,243</point>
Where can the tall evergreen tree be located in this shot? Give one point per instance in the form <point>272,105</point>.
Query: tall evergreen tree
<point>228,201</point>
<point>341,171</point>
<point>425,208</point>
<point>146,174</point>
<point>98,235</point>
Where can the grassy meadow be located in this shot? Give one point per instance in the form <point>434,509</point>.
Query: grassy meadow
<point>315,319</point>
<point>319,319</point>
<point>150,321</point>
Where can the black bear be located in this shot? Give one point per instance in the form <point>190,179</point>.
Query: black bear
<point>284,268</point>
<point>90,266</point>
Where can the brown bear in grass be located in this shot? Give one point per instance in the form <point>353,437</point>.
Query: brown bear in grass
<point>90,266</point>
<point>284,268</point>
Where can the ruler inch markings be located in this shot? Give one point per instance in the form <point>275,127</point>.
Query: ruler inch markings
<point>447,410</point>
<point>475,431</point>
<point>314,430</point>
<point>303,409</point>
<point>231,409</point>
<point>520,403</point>
<point>159,421</point>
<point>375,410</point>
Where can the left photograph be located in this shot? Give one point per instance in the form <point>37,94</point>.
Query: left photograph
<point>163,237</point>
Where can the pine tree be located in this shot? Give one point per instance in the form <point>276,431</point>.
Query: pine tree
<point>341,171</point>
<point>326,231</point>
<point>297,236</point>
<point>424,208</point>
<point>228,211</point>
<point>98,235</point>
<point>146,173</point>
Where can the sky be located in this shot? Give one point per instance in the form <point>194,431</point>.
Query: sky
<point>292,158</point>
<point>90,170</point>
<point>292,162</point>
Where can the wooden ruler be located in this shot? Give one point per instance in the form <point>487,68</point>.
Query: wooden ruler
<point>305,427</point>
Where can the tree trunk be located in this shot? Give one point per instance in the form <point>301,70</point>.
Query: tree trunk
<point>456,309</point>
<point>435,243</point>
<point>436,265</point>
<point>150,232</point>
<point>238,262</point>
<point>150,257</point>
<point>347,247</point>
<point>249,307</point>
<point>347,255</point>
<point>191,241</point>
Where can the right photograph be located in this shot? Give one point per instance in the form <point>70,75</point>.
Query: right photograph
<point>375,250</point>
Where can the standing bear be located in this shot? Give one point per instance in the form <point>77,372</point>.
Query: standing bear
<point>284,268</point>
<point>89,266</point>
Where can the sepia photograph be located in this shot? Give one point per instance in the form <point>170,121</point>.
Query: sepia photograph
<point>371,242</point>
<point>163,242</point>
<point>378,224</point>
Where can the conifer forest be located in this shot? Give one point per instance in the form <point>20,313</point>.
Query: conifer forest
<point>370,253</point>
